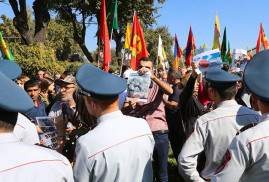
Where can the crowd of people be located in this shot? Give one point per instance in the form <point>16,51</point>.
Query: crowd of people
<point>216,124</point>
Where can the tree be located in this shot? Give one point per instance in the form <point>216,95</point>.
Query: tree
<point>20,21</point>
<point>87,11</point>
<point>152,40</point>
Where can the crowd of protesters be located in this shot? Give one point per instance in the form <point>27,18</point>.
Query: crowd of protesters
<point>209,119</point>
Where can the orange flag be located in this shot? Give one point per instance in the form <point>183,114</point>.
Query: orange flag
<point>103,34</point>
<point>138,44</point>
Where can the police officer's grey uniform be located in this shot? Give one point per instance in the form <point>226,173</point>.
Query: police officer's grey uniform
<point>120,147</point>
<point>21,161</point>
<point>26,162</point>
<point>25,131</point>
<point>247,158</point>
<point>213,133</point>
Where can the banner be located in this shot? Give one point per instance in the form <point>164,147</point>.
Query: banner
<point>49,136</point>
<point>208,60</point>
<point>239,61</point>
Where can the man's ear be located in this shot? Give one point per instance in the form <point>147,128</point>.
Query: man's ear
<point>254,98</point>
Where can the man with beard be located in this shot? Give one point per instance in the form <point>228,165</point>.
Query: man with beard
<point>62,110</point>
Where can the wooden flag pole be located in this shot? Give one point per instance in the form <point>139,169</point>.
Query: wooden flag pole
<point>99,49</point>
<point>122,58</point>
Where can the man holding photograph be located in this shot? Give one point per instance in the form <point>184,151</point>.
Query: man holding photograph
<point>153,112</point>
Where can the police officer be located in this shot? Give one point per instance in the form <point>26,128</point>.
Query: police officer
<point>19,160</point>
<point>214,131</point>
<point>24,129</point>
<point>120,147</point>
<point>247,158</point>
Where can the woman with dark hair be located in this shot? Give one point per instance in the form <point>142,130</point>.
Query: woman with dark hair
<point>190,106</point>
<point>83,123</point>
<point>47,93</point>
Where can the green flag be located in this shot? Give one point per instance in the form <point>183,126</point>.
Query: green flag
<point>112,18</point>
<point>223,46</point>
<point>228,56</point>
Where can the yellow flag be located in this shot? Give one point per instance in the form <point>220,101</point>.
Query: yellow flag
<point>204,46</point>
<point>216,33</point>
<point>127,36</point>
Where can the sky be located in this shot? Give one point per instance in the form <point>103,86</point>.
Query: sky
<point>241,18</point>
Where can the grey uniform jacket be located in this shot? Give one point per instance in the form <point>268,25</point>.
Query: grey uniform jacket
<point>119,148</point>
<point>26,162</point>
<point>213,133</point>
<point>247,158</point>
<point>25,131</point>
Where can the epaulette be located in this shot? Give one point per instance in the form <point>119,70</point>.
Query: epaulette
<point>246,127</point>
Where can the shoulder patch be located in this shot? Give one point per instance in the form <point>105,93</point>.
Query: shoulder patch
<point>226,158</point>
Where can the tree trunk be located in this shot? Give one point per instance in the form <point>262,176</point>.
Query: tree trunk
<point>42,19</point>
<point>119,45</point>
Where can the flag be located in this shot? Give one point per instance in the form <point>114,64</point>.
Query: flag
<point>216,33</point>
<point>127,36</point>
<point>261,40</point>
<point>204,46</point>
<point>189,48</point>
<point>7,53</point>
<point>177,53</point>
<point>250,54</point>
<point>229,54</point>
<point>223,46</point>
<point>137,43</point>
<point>163,63</point>
<point>112,18</point>
<point>103,34</point>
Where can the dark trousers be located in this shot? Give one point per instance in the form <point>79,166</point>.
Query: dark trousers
<point>176,136</point>
<point>160,156</point>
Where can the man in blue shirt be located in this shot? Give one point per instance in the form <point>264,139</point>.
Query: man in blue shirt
<point>32,87</point>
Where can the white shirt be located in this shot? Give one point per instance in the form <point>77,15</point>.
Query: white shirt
<point>26,162</point>
<point>25,131</point>
<point>119,148</point>
<point>248,154</point>
<point>213,133</point>
<point>56,110</point>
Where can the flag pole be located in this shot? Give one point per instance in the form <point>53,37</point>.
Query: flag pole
<point>98,52</point>
<point>122,58</point>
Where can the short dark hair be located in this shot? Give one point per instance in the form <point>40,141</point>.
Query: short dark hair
<point>31,83</point>
<point>8,120</point>
<point>175,73</point>
<point>145,59</point>
<point>160,69</point>
<point>68,72</point>
<point>226,92</point>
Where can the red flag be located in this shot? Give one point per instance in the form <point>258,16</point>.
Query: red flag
<point>103,34</point>
<point>190,47</point>
<point>262,40</point>
<point>138,44</point>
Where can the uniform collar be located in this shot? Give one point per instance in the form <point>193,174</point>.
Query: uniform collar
<point>8,138</point>
<point>109,116</point>
<point>227,103</point>
<point>264,117</point>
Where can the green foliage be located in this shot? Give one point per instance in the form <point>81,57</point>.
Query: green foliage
<point>34,57</point>
<point>60,38</point>
<point>152,40</point>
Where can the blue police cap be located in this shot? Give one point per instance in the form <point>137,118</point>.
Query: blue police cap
<point>256,76</point>
<point>10,69</point>
<point>99,84</point>
<point>12,97</point>
<point>221,77</point>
